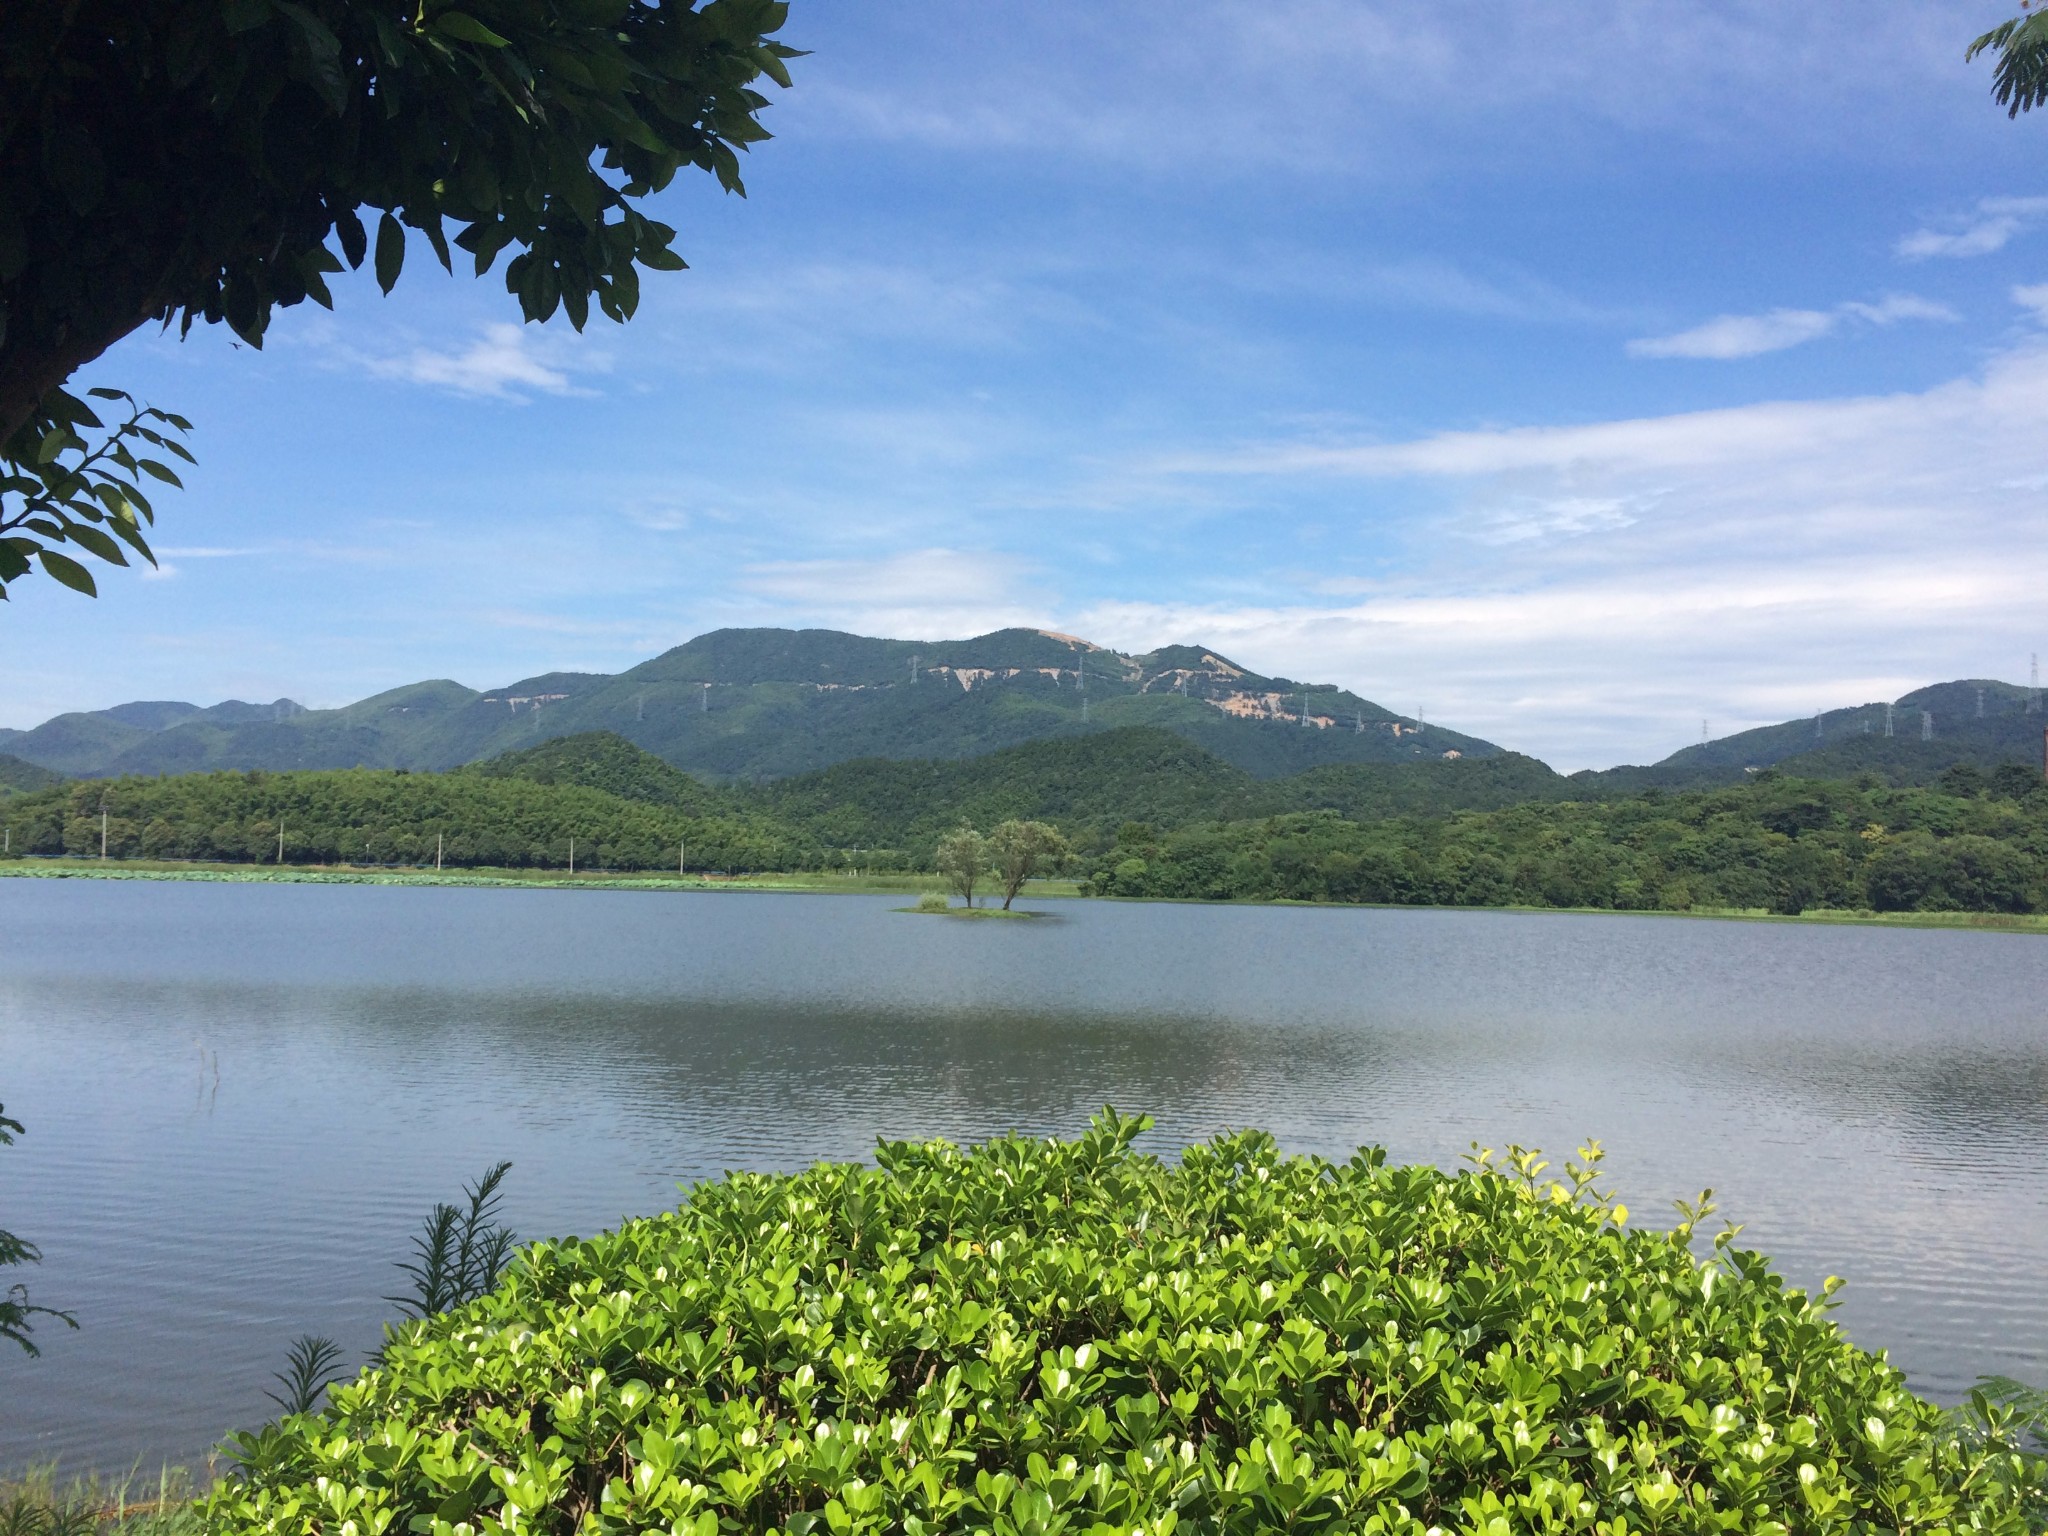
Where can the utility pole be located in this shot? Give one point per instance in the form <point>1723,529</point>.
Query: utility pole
<point>437,852</point>
<point>280,839</point>
<point>572,855</point>
<point>682,859</point>
<point>103,829</point>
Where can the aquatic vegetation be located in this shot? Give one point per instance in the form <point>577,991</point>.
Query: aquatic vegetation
<point>35,1505</point>
<point>1029,1337</point>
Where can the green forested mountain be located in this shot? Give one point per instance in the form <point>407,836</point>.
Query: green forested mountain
<point>1975,720</point>
<point>601,760</point>
<point>744,704</point>
<point>1973,843</point>
<point>1152,815</point>
<point>17,777</point>
<point>1089,785</point>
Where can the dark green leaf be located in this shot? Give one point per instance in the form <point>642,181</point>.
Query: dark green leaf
<point>390,251</point>
<point>467,29</point>
<point>99,543</point>
<point>67,571</point>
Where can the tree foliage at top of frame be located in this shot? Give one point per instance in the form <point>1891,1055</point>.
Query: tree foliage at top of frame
<point>186,160</point>
<point>2019,79</point>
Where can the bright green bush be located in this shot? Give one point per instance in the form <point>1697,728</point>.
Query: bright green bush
<point>1032,1337</point>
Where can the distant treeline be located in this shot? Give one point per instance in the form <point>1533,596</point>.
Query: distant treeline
<point>375,816</point>
<point>1976,843</point>
<point>1149,813</point>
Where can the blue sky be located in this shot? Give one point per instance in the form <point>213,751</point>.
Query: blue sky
<point>1570,372</point>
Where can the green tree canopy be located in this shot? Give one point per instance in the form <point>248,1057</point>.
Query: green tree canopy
<point>1021,849</point>
<point>2019,80</point>
<point>963,858</point>
<point>186,160</point>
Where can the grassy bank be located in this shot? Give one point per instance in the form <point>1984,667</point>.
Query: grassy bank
<point>37,1504</point>
<point>824,881</point>
<point>840,882</point>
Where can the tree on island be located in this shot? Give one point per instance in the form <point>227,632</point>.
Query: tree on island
<point>15,1307</point>
<point>174,161</point>
<point>1021,850</point>
<point>963,858</point>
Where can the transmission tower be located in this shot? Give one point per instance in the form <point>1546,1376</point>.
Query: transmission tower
<point>1703,733</point>
<point>1927,725</point>
<point>1980,703</point>
<point>2034,686</point>
<point>1888,719</point>
<point>913,667</point>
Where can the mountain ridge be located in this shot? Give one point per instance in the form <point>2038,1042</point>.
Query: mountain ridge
<point>746,705</point>
<point>756,705</point>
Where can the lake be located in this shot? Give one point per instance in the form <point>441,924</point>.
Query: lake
<point>241,1099</point>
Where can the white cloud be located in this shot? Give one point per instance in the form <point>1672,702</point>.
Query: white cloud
<point>1606,585</point>
<point>1732,336</point>
<point>504,362</point>
<point>1727,337</point>
<point>1393,90</point>
<point>931,592</point>
<point>1995,221</point>
<point>2033,296</point>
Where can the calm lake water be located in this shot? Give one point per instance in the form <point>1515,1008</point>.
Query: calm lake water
<point>240,1099</point>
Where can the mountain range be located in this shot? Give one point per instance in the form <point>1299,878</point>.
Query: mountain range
<point>740,705</point>
<point>757,705</point>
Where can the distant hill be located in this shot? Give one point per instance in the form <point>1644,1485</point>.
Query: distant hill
<point>740,705</point>
<point>19,777</point>
<point>1090,785</point>
<point>1976,720</point>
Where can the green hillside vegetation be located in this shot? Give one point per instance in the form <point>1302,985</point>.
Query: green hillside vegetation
<point>1151,815</point>
<point>18,777</point>
<point>602,760</point>
<point>1974,843</point>
<point>372,816</point>
<point>742,705</point>
<point>1090,785</point>
<point>1977,721</point>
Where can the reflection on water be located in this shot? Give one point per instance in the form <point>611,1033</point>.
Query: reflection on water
<point>1868,1103</point>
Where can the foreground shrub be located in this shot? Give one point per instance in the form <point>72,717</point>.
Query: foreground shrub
<point>1032,1337</point>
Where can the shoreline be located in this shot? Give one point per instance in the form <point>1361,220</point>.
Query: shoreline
<point>834,884</point>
